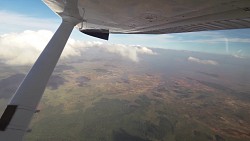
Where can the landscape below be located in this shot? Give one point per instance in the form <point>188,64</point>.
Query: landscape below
<point>168,96</point>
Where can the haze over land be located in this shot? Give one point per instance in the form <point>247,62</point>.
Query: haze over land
<point>140,94</point>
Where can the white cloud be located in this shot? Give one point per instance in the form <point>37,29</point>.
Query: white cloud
<point>23,48</point>
<point>126,51</point>
<point>200,61</point>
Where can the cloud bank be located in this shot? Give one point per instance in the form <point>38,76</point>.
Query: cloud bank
<point>200,61</point>
<point>24,48</point>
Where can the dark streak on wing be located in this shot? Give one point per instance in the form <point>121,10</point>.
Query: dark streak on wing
<point>7,116</point>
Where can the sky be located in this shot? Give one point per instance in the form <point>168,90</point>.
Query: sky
<point>27,25</point>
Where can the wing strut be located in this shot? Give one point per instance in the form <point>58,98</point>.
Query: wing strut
<point>19,112</point>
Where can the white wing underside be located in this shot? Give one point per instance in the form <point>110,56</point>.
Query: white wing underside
<point>158,16</point>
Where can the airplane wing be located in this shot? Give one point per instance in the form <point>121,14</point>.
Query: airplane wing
<point>99,18</point>
<point>157,16</point>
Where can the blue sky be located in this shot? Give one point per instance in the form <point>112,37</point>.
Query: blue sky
<point>21,15</point>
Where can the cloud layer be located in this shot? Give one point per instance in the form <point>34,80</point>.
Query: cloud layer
<point>200,61</point>
<point>23,48</point>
